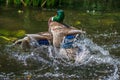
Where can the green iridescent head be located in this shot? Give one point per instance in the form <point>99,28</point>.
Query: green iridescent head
<point>59,17</point>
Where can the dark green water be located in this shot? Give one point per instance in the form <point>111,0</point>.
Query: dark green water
<point>102,29</point>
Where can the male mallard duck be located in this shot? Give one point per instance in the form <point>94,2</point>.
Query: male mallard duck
<point>63,35</point>
<point>59,30</point>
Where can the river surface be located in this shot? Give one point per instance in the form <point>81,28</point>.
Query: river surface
<point>99,58</point>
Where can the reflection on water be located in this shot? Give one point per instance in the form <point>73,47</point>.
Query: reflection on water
<point>98,59</point>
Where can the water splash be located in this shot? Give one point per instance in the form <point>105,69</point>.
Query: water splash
<point>86,64</point>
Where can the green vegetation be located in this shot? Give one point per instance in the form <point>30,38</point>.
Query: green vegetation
<point>37,3</point>
<point>10,36</point>
<point>19,33</point>
<point>100,5</point>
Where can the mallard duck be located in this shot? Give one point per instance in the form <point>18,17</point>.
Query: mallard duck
<point>59,30</point>
<point>63,35</point>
